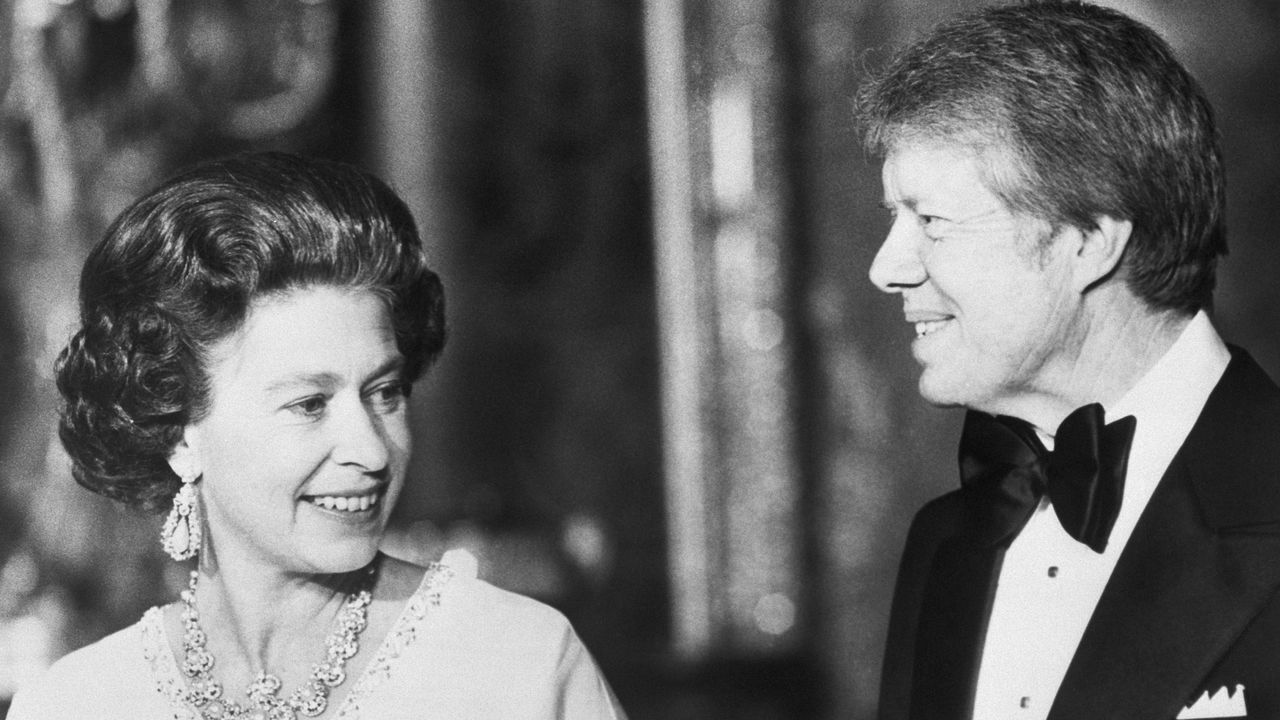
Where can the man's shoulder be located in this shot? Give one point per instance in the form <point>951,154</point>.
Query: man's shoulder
<point>1232,453</point>
<point>937,519</point>
<point>1246,384</point>
<point>944,505</point>
<point>1240,418</point>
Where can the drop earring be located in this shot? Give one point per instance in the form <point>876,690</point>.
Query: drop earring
<point>180,536</point>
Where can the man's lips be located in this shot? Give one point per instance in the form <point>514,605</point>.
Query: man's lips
<point>929,327</point>
<point>927,323</point>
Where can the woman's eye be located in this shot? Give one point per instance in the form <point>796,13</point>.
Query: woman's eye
<point>389,396</point>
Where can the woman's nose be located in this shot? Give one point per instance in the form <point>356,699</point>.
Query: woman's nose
<point>897,265</point>
<point>359,440</point>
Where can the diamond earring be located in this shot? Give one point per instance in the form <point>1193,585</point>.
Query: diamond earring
<point>180,536</point>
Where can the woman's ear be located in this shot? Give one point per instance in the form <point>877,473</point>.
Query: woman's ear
<point>184,460</point>
<point>1101,250</point>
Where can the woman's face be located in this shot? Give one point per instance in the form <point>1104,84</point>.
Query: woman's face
<point>303,452</point>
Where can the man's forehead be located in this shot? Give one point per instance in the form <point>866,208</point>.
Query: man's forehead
<point>910,168</point>
<point>991,166</point>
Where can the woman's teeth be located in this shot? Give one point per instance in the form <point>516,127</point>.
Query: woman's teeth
<point>347,504</point>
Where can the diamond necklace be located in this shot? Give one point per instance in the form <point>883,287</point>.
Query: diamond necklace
<point>265,703</point>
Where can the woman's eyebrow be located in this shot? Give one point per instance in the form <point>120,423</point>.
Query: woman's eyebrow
<point>329,379</point>
<point>392,364</point>
<point>304,379</point>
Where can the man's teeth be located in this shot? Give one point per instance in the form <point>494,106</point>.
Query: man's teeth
<point>348,504</point>
<point>928,326</point>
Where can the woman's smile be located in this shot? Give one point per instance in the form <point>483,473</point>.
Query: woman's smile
<point>308,409</point>
<point>348,506</point>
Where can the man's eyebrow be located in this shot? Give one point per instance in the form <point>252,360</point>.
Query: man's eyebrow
<point>908,203</point>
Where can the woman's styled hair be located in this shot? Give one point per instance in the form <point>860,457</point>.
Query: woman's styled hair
<point>176,272</point>
<point>1078,111</point>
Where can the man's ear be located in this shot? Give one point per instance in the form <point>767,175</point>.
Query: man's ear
<point>184,459</point>
<point>1100,250</point>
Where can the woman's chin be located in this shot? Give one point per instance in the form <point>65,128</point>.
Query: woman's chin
<point>341,558</point>
<point>341,546</point>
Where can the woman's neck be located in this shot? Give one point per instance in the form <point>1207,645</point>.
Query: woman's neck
<point>260,618</point>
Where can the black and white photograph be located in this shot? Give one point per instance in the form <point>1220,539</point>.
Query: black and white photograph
<point>639,359</point>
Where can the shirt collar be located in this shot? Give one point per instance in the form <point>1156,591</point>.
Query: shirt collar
<point>1176,387</point>
<point>1171,394</point>
<point>1167,401</point>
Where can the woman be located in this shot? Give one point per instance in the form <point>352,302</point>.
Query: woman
<point>250,332</point>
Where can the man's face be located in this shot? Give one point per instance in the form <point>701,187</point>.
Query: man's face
<point>995,316</point>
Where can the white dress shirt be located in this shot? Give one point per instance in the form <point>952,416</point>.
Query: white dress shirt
<point>1050,583</point>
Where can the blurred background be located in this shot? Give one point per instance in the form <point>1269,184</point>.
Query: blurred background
<point>672,405</point>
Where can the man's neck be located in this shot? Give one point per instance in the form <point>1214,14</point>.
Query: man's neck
<point>1120,344</point>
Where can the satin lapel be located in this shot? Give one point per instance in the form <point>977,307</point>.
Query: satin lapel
<point>1178,598</point>
<point>1185,587</point>
<point>953,624</point>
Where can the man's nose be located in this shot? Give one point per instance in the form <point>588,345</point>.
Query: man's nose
<point>897,264</point>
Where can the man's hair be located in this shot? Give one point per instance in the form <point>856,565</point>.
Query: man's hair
<point>1078,111</point>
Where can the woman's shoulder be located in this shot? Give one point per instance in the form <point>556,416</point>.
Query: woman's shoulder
<point>491,605</point>
<point>112,654</point>
<point>469,649</point>
<point>88,682</point>
<point>450,596</point>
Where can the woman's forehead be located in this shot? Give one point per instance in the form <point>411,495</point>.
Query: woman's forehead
<point>307,332</point>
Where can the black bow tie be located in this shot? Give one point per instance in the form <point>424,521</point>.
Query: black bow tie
<point>1005,470</point>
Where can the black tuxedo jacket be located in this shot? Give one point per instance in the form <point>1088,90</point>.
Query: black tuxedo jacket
<point>1192,603</point>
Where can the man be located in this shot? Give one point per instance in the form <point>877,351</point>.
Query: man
<point>1056,190</point>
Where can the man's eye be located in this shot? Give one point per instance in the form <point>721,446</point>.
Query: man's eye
<point>933,226</point>
<point>310,406</point>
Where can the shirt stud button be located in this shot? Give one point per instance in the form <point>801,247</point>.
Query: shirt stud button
<point>1025,702</point>
<point>1053,571</point>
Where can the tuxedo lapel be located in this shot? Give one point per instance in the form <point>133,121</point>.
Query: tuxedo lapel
<point>1178,598</point>
<point>1199,565</point>
<point>955,609</point>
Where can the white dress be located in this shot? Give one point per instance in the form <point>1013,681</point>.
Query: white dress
<point>461,649</point>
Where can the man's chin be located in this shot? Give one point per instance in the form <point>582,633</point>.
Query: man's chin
<point>939,394</point>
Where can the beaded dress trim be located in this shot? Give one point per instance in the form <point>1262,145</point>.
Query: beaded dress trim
<point>404,632</point>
